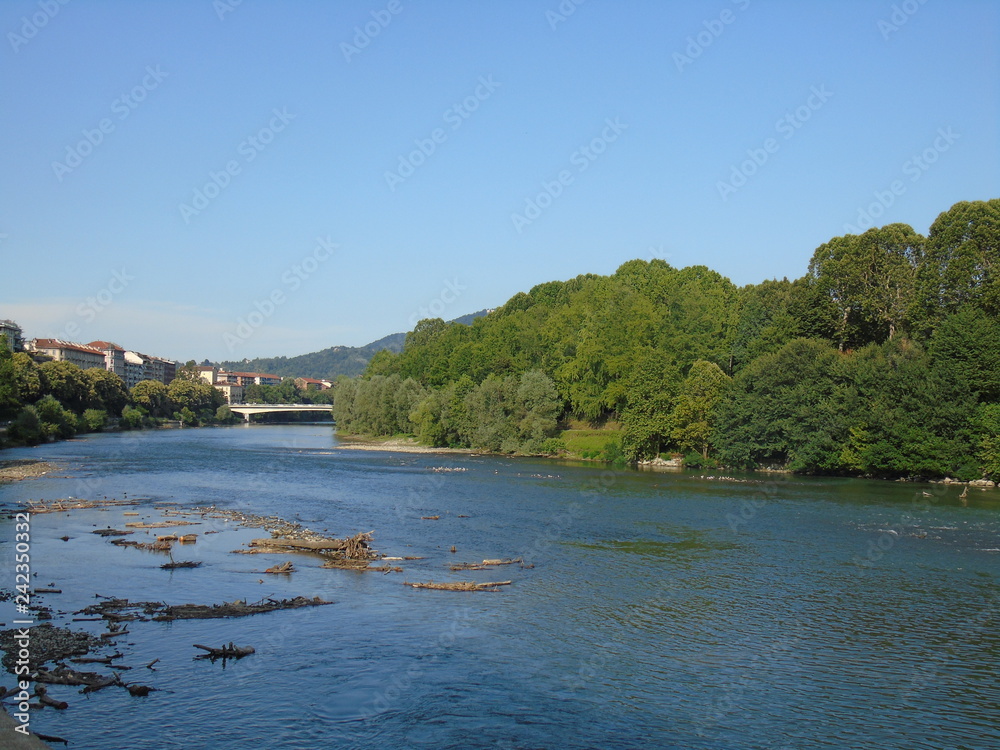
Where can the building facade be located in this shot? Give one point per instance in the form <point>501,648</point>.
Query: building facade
<point>80,355</point>
<point>12,334</point>
<point>114,356</point>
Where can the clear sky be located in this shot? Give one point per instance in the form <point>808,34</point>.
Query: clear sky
<point>236,179</point>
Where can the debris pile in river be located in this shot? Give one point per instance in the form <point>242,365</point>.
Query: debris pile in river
<point>122,609</point>
<point>48,643</point>
<point>459,585</point>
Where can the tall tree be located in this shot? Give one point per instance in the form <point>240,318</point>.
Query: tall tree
<point>871,278</point>
<point>962,261</point>
<point>694,408</point>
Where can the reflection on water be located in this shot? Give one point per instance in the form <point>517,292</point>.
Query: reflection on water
<point>841,613</point>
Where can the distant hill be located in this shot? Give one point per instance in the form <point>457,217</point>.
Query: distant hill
<point>327,364</point>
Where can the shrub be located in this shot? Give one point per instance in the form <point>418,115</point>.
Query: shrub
<point>93,420</point>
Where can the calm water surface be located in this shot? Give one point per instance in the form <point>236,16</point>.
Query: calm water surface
<point>663,610</point>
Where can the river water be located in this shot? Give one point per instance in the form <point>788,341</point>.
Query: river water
<point>662,610</point>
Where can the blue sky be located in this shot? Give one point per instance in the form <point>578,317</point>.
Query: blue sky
<point>226,180</point>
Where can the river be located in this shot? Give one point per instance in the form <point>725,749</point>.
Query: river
<point>662,610</point>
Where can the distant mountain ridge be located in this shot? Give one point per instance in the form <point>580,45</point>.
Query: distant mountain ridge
<point>328,364</point>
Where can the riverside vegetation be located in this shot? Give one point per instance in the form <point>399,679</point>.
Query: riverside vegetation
<point>882,360</point>
<point>57,400</point>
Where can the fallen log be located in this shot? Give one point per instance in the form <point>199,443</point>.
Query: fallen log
<point>459,585</point>
<point>111,532</point>
<point>47,700</point>
<point>430,518</point>
<point>313,545</point>
<point>98,659</point>
<point>487,564</point>
<point>285,567</point>
<point>180,564</point>
<point>226,652</point>
<point>48,591</point>
<point>159,524</point>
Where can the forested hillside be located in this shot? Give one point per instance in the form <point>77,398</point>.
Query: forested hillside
<point>884,359</point>
<point>329,363</point>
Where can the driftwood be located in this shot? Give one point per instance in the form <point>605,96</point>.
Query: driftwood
<point>459,585</point>
<point>226,652</point>
<point>48,591</point>
<point>61,506</point>
<point>285,567</point>
<point>47,700</point>
<point>159,524</point>
<point>98,659</point>
<point>50,738</point>
<point>66,676</point>
<point>123,609</point>
<point>430,518</point>
<point>487,564</point>
<point>111,532</point>
<point>181,564</point>
<point>312,545</point>
<point>187,538</point>
<point>167,538</point>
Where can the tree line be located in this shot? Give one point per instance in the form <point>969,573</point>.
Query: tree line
<point>882,360</point>
<point>50,400</point>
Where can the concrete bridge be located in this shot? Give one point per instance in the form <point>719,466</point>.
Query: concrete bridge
<point>247,409</point>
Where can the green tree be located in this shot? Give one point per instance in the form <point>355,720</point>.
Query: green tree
<point>647,419</point>
<point>153,396</point>
<point>968,343</point>
<point>25,378</point>
<point>912,417</point>
<point>57,421</point>
<point>66,383</point>
<point>694,408</point>
<point>27,427</point>
<point>94,420</point>
<point>107,390</point>
<point>871,279</point>
<point>962,262</point>
<point>788,409</point>
<point>10,401</point>
<point>195,396</point>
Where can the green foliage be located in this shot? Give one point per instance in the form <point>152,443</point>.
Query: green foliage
<point>915,337</point>
<point>65,382</point>
<point>787,409</point>
<point>961,266</point>
<point>10,401</point>
<point>57,421</point>
<point>694,408</point>
<point>871,279</point>
<point>224,415</point>
<point>968,344</point>
<point>107,390</point>
<point>152,396</point>
<point>93,420</point>
<point>697,461</point>
<point>132,418</point>
<point>27,427</point>
<point>186,416</point>
<point>194,396</point>
<point>648,419</point>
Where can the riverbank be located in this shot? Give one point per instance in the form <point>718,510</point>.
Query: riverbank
<point>395,445</point>
<point>25,468</point>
